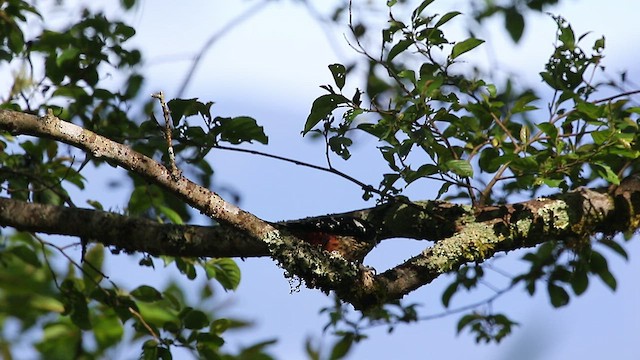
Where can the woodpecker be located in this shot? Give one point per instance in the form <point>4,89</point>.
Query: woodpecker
<point>350,237</point>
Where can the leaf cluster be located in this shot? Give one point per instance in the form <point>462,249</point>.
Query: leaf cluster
<point>481,143</point>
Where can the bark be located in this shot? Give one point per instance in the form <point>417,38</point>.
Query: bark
<point>199,197</point>
<point>130,234</point>
<point>461,234</point>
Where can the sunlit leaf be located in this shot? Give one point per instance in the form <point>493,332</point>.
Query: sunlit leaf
<point>225,270</point>
<point>465,46</point>
<point>460,167</point>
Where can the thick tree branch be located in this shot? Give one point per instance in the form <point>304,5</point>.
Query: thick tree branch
<point>462,234</point>
<point>193,194</point>
<point>317,267</point>
<point>574,215</point>
<point>130,234</point>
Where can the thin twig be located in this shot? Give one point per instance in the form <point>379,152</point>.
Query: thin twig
<point>506,131</point>
<point>74,263</point>
<point>488,300</point>
<point>613,97</point>
<point>167,134</point>
<point>244,16</point>
<point>330,170</point>
<point>46,260</point>
<point>144,323</point>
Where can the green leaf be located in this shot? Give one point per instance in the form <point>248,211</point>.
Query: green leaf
<point>67,55</point>
<point>448,293</point>
<point>171,214</point>
<point>602,136</point>
<point>182,108</point>
<point>598,45</point>
<point>26,254</point>
<point>16,39</point>
<point>158,313</point>
<point>613,245</point>
<point>514,23</point>
<point>464,46</point>
<point>418,11</point>
<point>446,18</point>
<point>423,171</point>
<point>579,282</point>
<point>322,107</point>
<point>342,347</point>
<point>208,345</point>
<point>549,129</point>
<point>398,48</point>
<point>185,266</point>
<point>460,167</point>
<point>59,341</point>
<point>604,171</point>
<point>489,160</point>
<point>599,266</point>
<point>558,296</point>
<point>95,204</point>
<point>225,270</point>
<point>340,146</point>
<point>522,104</point>
<point>128,4</point>
<point>339,73</point>
<point>91,267</point>
<point>567,36</point>
<point>134,83</point>
<point>443,189</point>
<point>219,326</point>
<point>466,320</point>
<point>240,129</point>
<point>195,319</point>
<point>146,293</point>
<point>75,304</point>
<point>150,350</point>
<point>551,80</point>
<point>408,74</point>
<point>108,330</point>
<point>608,278</point>
<point>590,111</point>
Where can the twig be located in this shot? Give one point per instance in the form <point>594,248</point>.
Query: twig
<point>144,323</point>
<point>167,134</point>
<point>488,300</point>
<point>46,260</point>
<point>499,122</point>
<point>244,16</point>
<point>330,170</point>
<point>613,97</point>
<point>44,243</point>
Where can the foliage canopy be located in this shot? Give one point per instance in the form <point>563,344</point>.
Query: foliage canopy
<point>486,144</point>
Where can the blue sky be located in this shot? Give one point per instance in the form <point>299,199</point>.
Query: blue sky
<point>270,68</point>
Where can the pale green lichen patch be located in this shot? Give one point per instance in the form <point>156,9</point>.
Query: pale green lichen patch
<point>523,226</point>
<point>475,243</point>
<point>555,215</point>
<point>469,216</point>
<point>317,267</point>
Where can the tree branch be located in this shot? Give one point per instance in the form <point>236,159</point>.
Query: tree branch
<point>130,234</point>
<point>575,215</point>
<point>193,194</point>
<point>462,234</point>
